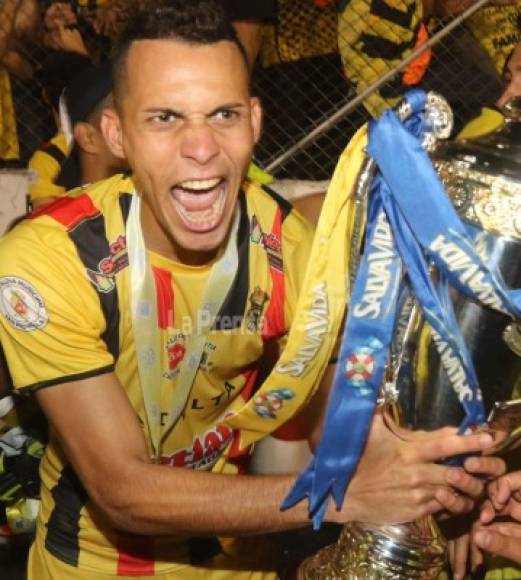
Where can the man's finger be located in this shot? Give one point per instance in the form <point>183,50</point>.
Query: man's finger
<point>477,559</point>
<point>505,487</point>
<point>439,448</point>
<point>464,482</point>
<point>508,529</point>
<point>487,513</point>
<point>453,502</point>
<point>490,466</point>
<point>508,546</point>
<point>459,556</point>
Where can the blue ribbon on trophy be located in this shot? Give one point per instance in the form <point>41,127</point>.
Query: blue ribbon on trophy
<point>411,224</point>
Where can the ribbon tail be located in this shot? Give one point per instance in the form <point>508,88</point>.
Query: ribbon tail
<point>318,516</point>
<point>301,488</point>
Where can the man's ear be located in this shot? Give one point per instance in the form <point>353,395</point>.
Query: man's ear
<point>84,137</point>
<point>111,128</point>
<point>256,118</point>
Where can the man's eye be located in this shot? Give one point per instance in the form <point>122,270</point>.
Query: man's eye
<point>227,116</point>
<point>166,117</point>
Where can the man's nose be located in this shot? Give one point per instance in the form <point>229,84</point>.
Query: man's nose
<point>199,142</point>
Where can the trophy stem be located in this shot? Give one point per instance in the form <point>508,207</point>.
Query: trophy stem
<point>371,552</point>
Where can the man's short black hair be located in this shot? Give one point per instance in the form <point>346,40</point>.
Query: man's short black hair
<point>198,22</point>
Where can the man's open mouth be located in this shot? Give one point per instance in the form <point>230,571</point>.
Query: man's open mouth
<point>200,202</point>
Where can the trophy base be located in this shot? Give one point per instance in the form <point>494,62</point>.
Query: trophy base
<point>368,552</point>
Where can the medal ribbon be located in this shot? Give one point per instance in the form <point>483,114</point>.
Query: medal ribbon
<point>359,373</point>
<point>147,335</point>
<point>320,308</point>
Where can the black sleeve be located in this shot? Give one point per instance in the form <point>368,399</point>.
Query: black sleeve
<point>265,10</point>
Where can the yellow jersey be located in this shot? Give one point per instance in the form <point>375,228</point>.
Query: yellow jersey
<point>46,163</point>
<point>65,314</point>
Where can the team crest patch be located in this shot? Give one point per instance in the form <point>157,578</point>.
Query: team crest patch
<point>108,267</point>
<point>21,304</point>
<point>176,350</point>
<point>254,315</point>
<point>268,404</point>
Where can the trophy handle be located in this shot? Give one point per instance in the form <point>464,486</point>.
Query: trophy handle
<point>505,422</point>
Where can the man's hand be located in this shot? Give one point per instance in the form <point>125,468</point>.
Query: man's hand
<point>398,479</point>
<point>458,550</point>
<point>63,38</point>
<point>502,538</point>
<point>59,13</point>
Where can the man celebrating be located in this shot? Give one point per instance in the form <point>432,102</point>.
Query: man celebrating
<point>139,311</point>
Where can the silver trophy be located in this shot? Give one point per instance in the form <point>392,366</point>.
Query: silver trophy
<point>483,178</point>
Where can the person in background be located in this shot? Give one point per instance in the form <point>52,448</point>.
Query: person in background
<point>497,29</point>
<point>83,155</point>
<point>492,118</point>
<point>19,20</point>
<point>58,69</point>
<point>89,159</point>
<point>374,37</point>
<point>511,78</point>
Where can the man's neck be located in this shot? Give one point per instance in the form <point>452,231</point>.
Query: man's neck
<point>94,169</point>
<point>158,241</point>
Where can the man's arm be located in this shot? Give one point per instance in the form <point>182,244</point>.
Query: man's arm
<point>110,458</point>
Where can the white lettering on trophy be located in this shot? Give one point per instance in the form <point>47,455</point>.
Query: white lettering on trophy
<point>378,275</point>
<point>453,368</point>
<point>315,328</point>
<point>458,260</point>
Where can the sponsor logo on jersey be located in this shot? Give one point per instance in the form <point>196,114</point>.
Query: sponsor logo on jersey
<point>206,364</point>
<point>270,242</point>
<point>204,450</point>
<point>268,404</point>
<point>21,304</point>
<point>315,331</point>
<point>104,277</point>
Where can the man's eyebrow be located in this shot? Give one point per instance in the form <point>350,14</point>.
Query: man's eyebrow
<point>227,106</point>
<point>169,110</point>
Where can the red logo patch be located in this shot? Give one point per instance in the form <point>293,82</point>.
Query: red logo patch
<point>204,451</point>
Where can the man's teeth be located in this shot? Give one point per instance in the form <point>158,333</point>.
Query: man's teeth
<point>199,184</point>
<point>204,216</point>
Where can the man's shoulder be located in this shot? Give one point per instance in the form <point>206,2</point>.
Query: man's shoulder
<point>269,207</point>
<point>49,227</point>
<point>100,198</point>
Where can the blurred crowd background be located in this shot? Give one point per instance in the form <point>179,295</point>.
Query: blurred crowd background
<point>317,57</point>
